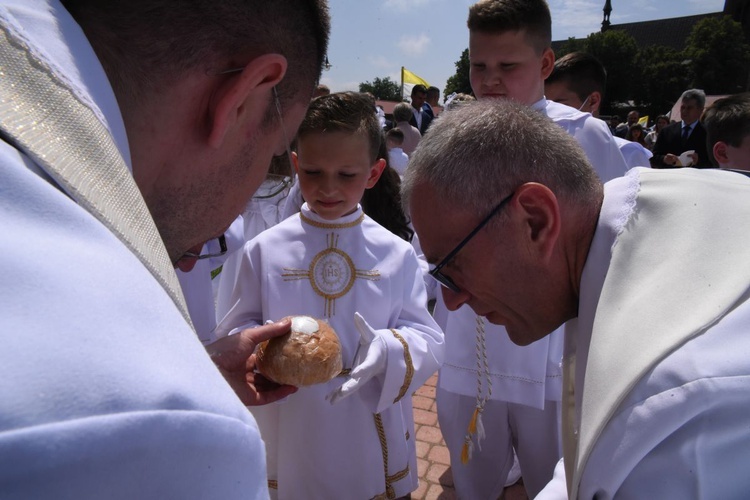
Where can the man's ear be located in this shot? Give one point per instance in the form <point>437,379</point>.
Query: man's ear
<point>720,152</point>
<point>540,214</point>
<point>376,170</point>
<point>595,101</point>
<point>548,62</point>
<point>239,96</point>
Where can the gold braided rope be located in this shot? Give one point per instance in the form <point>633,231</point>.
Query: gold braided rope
<point>323,225</point>
<point>389,480</point>
<point>409,367</point>
<point>483,377</point>
<point>273,484</point>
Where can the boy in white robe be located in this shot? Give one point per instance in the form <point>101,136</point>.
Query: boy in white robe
<point>331,261</point>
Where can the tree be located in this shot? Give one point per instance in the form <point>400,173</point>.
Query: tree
<point>571,45</point>
<point>718,55</point>
<point>459,82</point>
<point>616,50</point>
<point>665,76</point>
<point>382,88</point>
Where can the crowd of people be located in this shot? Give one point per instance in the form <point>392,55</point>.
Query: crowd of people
<point>580,293</point>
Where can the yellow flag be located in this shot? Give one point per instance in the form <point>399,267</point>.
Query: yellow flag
<point>644,121</point>
<point>408,81</point>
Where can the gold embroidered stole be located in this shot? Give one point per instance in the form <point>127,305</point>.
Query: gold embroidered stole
<point>666,283</point>
<point>41,114</point>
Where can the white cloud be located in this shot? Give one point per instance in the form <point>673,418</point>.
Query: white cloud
<point>414,45</point>
<point>575,18</point>
<point>380,62</point>
<point>337,86</point>
<point>404,5</point>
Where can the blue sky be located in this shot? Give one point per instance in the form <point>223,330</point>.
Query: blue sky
<point>374,38</point>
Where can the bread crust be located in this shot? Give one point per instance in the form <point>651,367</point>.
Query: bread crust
<point>301,358</point>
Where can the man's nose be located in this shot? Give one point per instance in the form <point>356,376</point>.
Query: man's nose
<point>454,300</point>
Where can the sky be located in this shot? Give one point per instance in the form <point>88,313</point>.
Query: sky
<point>374,38</point>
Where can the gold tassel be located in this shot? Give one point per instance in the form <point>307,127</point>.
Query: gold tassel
<point>473,422</point>
<point>465,452</point>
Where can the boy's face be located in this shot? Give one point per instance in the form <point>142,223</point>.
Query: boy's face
<point>559,92</point>
<point>418,99</point>
<point>506,65</point>
<point>334,169</point>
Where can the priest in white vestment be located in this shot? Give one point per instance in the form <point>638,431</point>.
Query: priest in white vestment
<point>650,275</point>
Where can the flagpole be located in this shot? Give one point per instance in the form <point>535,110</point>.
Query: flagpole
<point>402,83</point>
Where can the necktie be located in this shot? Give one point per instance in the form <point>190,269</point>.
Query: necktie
<point>685,132</point>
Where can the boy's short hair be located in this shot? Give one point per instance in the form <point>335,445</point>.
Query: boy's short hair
<point>349,112</point>
<point>582,73</point>
<point>499,16</point>
<point>402,112</point>
<point>395,135</point>
<point>728,120</point>
<point>418,89</point>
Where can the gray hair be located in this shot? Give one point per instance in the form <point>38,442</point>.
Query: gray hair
<point>402,112</point>
<point>480,152</point>
<point>695,94</point>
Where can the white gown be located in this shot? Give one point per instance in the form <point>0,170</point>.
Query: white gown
<point>634,154</point>
<point>330,270</point>
<point>677,428</point>
<point>526,381</point>
<point>106,390</point>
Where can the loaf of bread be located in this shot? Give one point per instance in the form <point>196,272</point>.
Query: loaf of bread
<point>309,354</point>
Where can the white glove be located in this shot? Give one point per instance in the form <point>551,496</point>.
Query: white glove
<point>369,361</point>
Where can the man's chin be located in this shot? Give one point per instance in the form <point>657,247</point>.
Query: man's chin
<point>187,263</point>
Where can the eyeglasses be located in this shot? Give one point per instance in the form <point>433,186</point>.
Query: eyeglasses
<point>274,185</point>
<point>436,271</point>
<point>222,246</point>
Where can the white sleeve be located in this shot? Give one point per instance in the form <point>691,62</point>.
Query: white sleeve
<point>601,149</point>
<point>415,343</point>
<point>240,305</point>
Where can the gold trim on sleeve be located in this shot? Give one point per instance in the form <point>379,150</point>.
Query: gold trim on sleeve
<point>273,484</point>
<point>409,366</point>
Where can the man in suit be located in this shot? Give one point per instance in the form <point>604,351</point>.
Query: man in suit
<point>433,95</point>
<point>685,135</point>
<point>420,119</point>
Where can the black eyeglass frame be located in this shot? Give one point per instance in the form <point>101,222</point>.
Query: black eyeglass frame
<point>222,250</point>
<point>445,280</point>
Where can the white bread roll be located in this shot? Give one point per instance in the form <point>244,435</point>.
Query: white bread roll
<point>309,354</point>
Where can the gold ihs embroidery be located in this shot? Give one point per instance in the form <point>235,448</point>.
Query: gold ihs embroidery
<point>331,274</point>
